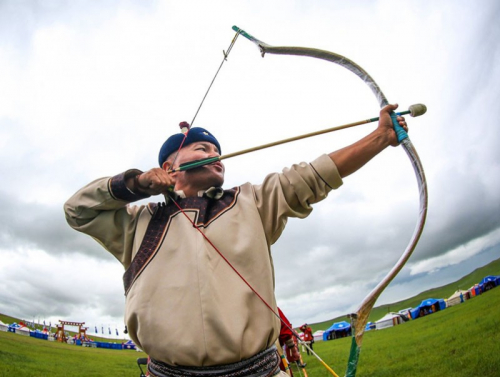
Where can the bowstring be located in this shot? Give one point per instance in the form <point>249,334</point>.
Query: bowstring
<point>226,54</point>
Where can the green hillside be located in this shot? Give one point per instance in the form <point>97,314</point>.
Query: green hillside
<point>492,268</point>
<point>463,340</point>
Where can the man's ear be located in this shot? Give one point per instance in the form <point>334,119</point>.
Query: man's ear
<point>166,165</point>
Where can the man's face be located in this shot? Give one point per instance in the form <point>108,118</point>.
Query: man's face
<point>203,177</point>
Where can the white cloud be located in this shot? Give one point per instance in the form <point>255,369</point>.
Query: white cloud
<point>460,254</point>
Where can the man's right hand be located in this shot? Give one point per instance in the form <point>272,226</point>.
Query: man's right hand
<point>152,182</point>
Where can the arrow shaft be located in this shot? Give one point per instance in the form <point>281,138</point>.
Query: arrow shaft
<point>199,163</point>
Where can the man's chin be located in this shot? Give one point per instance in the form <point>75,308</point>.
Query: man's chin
<point>218,183</point>
<point>207,176</point>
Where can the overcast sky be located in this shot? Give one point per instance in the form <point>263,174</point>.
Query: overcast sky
<point>91,88</point>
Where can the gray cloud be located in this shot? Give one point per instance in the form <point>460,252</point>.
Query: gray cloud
<point>43,227</point>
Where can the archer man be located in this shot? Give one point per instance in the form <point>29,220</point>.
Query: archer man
<point>190,261</point>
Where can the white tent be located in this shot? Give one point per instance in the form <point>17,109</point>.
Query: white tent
<point>405,312</point>
<point>23,331</point>
<point>318,335</point>
<point>389,320</point>
<point>457,297</point>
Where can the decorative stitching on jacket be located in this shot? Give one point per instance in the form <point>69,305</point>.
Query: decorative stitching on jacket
<point>207,210</point>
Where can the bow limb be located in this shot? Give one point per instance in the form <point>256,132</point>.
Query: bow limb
<point>360,318</point>
<point>323,55</point>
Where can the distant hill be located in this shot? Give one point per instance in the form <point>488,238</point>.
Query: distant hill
<point>492,268</point>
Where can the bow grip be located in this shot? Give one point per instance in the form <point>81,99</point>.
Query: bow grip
<point>400,132</point>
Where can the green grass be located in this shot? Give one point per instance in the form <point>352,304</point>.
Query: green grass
<point>31,357</point>
<point>9,320</point>
<point>463,340</point>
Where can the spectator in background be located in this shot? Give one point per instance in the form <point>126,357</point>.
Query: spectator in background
<point>308,336</point>
<point>286,340</point>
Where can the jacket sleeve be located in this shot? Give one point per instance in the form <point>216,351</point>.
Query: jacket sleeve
<point>101,210</point>
<point>292,192</point>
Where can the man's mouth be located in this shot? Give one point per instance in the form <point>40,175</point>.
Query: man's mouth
<point>198,163</point>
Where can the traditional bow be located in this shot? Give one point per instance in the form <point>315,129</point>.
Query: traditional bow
<point>360,318</point>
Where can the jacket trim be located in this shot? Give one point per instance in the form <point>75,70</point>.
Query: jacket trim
<point>206,211</point>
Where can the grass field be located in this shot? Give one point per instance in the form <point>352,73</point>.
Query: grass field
<point>463,340</point>
<point>30,357</point>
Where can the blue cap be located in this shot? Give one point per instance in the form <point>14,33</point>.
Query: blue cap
<point>174,142</point>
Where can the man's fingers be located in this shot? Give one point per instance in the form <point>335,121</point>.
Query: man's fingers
<point>159,182</point>
<point>390,107</point>
<point>155,181</point>
<point>402,123</point>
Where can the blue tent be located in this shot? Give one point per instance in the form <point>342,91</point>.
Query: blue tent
<point>39,334</point>
<point>337,330</point>
<point>115,346</point>
<point>129,345</point>
<point>13,326</point>
<point>429,306</point>
<point>489,282</point>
